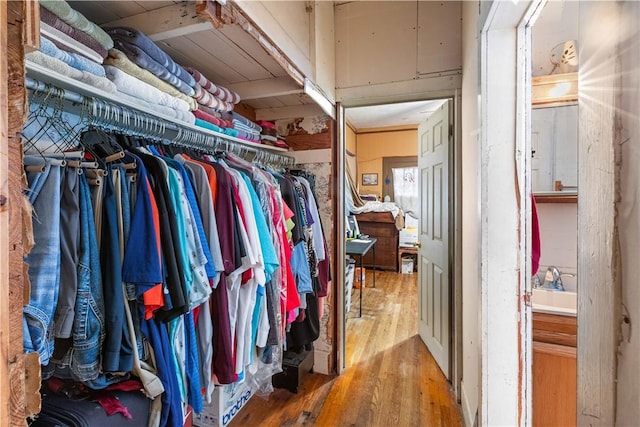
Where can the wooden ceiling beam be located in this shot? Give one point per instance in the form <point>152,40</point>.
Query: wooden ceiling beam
<point>266,88</point>
<point>290,112</point>
<point>167,22</point>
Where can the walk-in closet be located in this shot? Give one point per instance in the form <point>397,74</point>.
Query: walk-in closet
<point>176,253</point>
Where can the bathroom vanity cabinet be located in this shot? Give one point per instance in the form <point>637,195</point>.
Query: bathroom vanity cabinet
<point>554,369</point>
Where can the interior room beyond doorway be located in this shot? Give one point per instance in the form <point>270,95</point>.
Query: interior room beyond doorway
<point>381,156</point>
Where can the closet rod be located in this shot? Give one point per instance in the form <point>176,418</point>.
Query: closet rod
<point>129,120</point>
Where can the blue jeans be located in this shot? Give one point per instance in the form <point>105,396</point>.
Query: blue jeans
<point>44,262</point>
<point>69,235</point>
<point>88,330</point>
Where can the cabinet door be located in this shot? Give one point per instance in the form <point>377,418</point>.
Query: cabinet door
<point>554,385</point>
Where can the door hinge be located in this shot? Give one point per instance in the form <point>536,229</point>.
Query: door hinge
<point>451,129</point>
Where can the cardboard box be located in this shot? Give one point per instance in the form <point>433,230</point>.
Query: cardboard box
<point>407,265</point>
<point>226,403</point>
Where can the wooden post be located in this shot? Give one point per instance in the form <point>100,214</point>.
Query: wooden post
<point>12,107</point>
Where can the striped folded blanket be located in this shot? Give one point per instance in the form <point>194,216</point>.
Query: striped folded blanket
<point>244,123</point>
<point>62,10</point>
<point>219,92</point>
<point>206,98</point>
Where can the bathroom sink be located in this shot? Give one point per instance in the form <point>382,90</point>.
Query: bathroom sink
<point>554,302</point>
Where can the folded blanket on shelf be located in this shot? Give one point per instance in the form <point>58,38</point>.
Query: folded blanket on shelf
<point>266,124</point>
<point>62,10</point>
<point>144,91</point>
<point>239,119</point>
<point>205,124</point>
<point>245,128</point>
<point>208,99</point>
<point>83,38</point>
<point>60,67</point>
<point>150,107</point>
<point>74,60</point>
<point>66,43</point>
<point>249,136</point>
<point>219,92</point>
<point>268,138</point>
<point>120,60</point>
<point>137,38</point>
<point>230,132</point>
<point>200,114</point>
<point>141,59</point>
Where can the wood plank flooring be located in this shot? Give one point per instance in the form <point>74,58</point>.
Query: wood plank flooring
<point>391,379</point>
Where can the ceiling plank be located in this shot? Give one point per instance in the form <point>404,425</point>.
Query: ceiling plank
<point>168,22</point>
<point>290,112</point>
<point>187,53</point>
<point>219,46</point>
<point>248,44</point>
<point>266,88</point>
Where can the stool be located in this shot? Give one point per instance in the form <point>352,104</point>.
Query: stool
<point>409,251</point>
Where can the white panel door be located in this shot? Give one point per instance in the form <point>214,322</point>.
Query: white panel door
<point>433,266</point>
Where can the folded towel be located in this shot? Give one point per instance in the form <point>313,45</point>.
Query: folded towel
<point>268,138</point>
<point>140,58</point>
<point>207,125</point>
<point>137,38</point>
<point>209,110</point>
<point>219,92</point>
<point>144,91</point>
<point>200,114</point>
<point>245,128</point>
<point>230,132</point>
<point>120,60</point>
<point>248,136</point>
<point>74,60</point>
<point>225,118</point>
<point>53,21</point>
<point>205,97</point>
<point>146,107</point>
<point>240,119</point>
<point>60,67</point>
<point>265,124</point>
<point>269,132</point>
<point>62,10</point>
<point>66,43</point>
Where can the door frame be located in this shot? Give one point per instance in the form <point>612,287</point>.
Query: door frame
<point>506,238</point>
<point>455,249</point>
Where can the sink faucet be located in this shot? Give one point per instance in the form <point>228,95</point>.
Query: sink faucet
<point>553,279</point>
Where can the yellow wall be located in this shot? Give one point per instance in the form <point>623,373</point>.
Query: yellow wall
<point>350,145</point>
<point>375,144</point>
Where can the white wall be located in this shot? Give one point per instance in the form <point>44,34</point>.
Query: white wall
<point>628,392</point>
<point>557,23</point>
<point>470,216</point>
<point>559,240</point>
<point>397,50</point>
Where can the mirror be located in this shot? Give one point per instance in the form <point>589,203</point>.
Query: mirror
<point>554,145</point>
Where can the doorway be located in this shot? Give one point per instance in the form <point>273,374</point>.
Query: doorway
<point>368,131</point>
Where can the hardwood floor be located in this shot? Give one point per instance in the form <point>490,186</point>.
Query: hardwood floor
<point>391,377</point>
